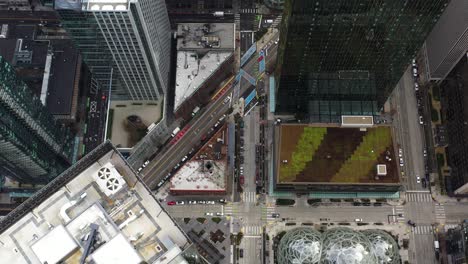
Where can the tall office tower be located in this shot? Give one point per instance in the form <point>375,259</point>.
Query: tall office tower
<point>344,57</point>
<point>33,147</point>
<point>125,43</point>
<point>448,41</point>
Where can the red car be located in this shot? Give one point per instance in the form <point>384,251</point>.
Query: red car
<point>171,203</point>
<point>241,179</point>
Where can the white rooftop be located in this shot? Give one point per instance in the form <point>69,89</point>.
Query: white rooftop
<point>192,71</point>
<point>194,176</point>
<point>54,225</point>
<point>117,251</point>
<point>54,246</point>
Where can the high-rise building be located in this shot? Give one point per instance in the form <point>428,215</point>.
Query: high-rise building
<point>33,147</point>
<point>126,44</point>
<point>344,57</point>
<point>448,41</point>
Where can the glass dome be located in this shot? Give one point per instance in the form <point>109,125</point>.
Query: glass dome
<point>337,246</point>
<point>384,246</point>
<point>346,246</point>
<point>300,246</point>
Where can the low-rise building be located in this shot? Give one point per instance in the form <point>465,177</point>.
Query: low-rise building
<point>206,172</point>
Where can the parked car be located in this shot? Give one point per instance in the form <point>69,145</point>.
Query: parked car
<point>202,202</point>
<point>219,214</point>
<point>416,86</point>
<point>222,200</point>
<point>418,179</point>
<point>192,202</point>
<point>421,121</point>
<point>424,183</point>
<point>210,202</point>
<point>424,153</point>
<point>180,202</point>
<point>171,203</point>
<point>400,152</point>
<point>358,220</point>
<point>241,253</point>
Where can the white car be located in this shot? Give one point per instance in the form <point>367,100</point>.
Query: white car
<point>418,179</point>
<point>201,202</point>
<point>400,153</point>
<point>210,214</point>
<point>425,153</point>
<point>184,158</point>
<point>180,202</point>
<point>421,122</point>
<point>415,72</point>
<point>210,202</point>
<point>416,86</point>
<point>219,214</point>
<point>413,62</point>
<point>192,202</point>
<point>358,219</point>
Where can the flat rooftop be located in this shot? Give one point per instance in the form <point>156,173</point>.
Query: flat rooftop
<point>206,171</point>
<point>357,121</point>
<point>335,155</point>
<point>100,192</point>
<point>29,57</point>
<point>209,36</point>
<point>201,49</point>
<point>193,71</point>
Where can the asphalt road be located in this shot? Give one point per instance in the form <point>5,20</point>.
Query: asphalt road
<point>199,126</point>
<point>409,132</point>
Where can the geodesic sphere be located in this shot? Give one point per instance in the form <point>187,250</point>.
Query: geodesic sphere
<point>346,246</point>
<point>300,246</point>
<point>384,247</point>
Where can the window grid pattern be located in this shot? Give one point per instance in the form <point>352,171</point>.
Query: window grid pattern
<point>345,56</point>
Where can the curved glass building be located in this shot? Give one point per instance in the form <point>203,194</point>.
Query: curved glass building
<point>337,246</point>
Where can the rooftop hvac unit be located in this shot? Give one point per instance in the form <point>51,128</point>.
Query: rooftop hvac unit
<point>109,180</point>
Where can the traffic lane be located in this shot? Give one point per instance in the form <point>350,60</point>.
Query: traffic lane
<point>192,123</point>
<point>191,137</point>
<point>249,151</point>
<point>415,134</point>
<point>456,212</point>
<point>252,248</point>
<point>420,213</point>
<point>337,214</point>
<point>174,157</point>
<point>401,126</point>
<point>424,247</point>
<point>196,210</point>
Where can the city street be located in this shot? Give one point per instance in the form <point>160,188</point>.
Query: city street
<point>409,131</point>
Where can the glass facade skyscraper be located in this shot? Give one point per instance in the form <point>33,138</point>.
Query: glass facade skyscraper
<point>127,42</point>
<point>34,148</point>
<point>345,57</point>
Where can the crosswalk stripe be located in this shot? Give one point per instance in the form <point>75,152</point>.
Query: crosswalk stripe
<point>277,21</point>
<point>419,197</point>
<point>249,197</point>
<point>422,230</point>
<point>253,230</point>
